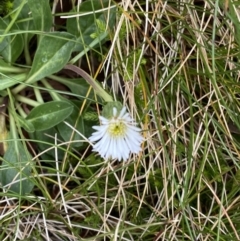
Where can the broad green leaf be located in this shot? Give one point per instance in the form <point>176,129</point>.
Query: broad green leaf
<point>79,87</point>
<point>26,124</point>
<point>44,141</point>
<point>15,174</point>
<point>92,24</point>
<point>80,123</point>
<point>11,46</point>
<point>49,114</point>
<point>107,111</point>
<point>41,14</point>
<point>4,40</point>
<point>24,13</point>
<point>52,54</point>
<point>66,131</point>
<point>10,80</point>
<point>24,21</point>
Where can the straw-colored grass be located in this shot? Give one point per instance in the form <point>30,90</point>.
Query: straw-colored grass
<point>175,65</point>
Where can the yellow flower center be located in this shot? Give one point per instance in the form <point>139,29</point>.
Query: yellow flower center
<point>117,129</point>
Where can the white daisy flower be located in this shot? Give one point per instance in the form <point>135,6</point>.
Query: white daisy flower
<point>117,136</point>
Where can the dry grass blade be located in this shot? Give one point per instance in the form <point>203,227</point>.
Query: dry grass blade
<point>175,66</point>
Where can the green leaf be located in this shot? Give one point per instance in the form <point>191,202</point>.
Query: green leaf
<point>49,114</point>
<point>107,111</point>
<point>41,14</point>
<point>44,141</point>
<point>79,87</point>
<point>86,26</point>
<point>10,80</point>
<point>66,131</point>
<point>52,54</point>
<point>23,20</point>
<point>11,46</point>
<point>26,124</point>
<point>81,123</point>
<point>15,173</point>
<point>5,40</point>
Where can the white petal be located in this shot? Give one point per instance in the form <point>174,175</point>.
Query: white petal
<point>103,120</point>
<point>114,111</point>
<point>114,149</point>
<point>103,146</point>
<point>132,127</point>
<point>98,134</point>
<point>122,112</point>
<point>127,117</point>
<point>125,150</point>
<point>117,146</point>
